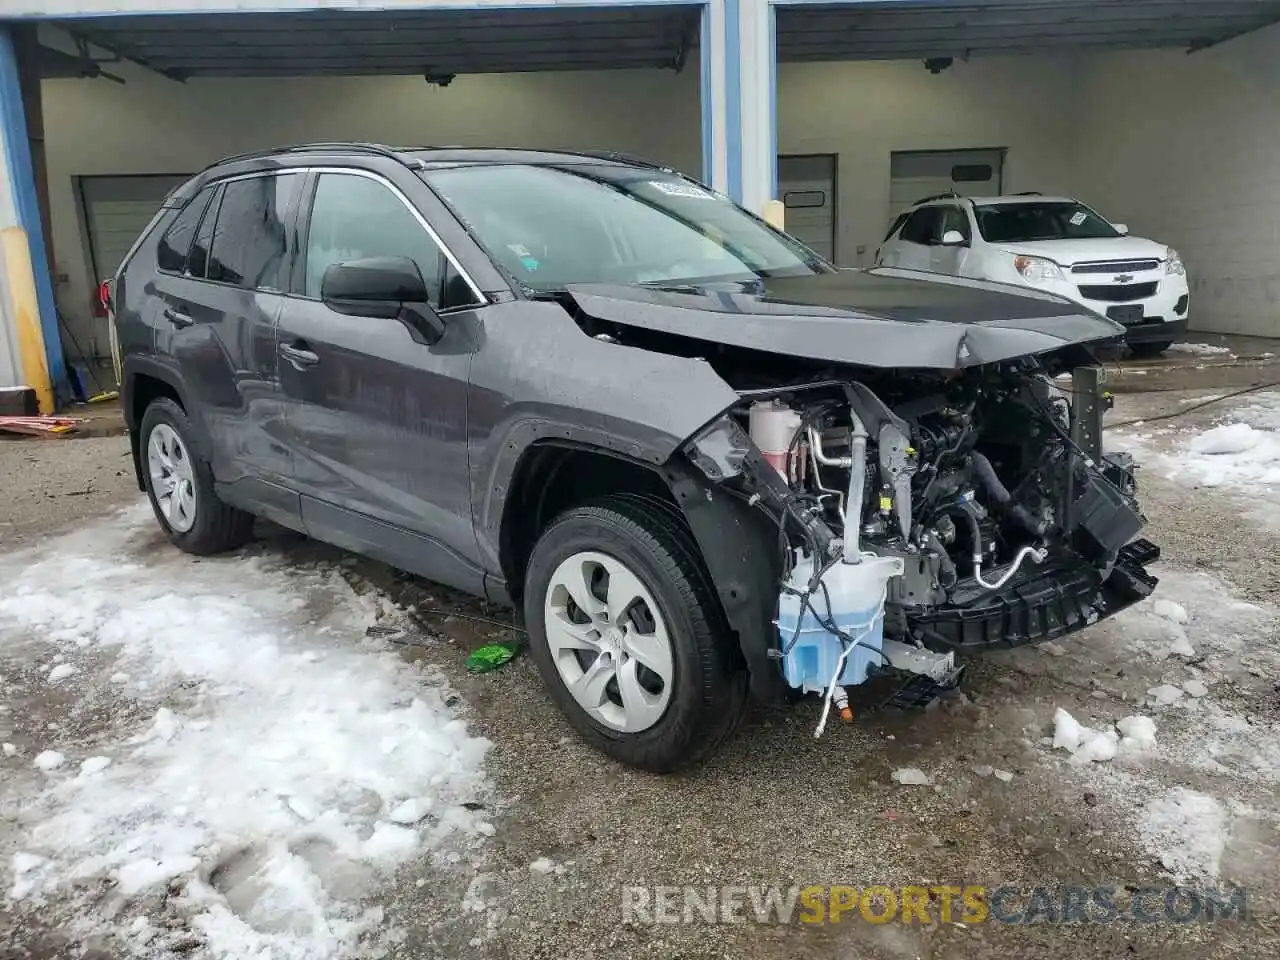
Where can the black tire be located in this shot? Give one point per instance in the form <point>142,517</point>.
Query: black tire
<point>1152,348</point>
<point>709,688</point>
<point>217,526</point>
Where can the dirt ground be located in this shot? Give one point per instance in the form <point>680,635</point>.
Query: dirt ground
<point>777,807</point>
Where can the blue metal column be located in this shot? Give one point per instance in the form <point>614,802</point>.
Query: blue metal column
<point>750,102</point>
<point>16,154</point>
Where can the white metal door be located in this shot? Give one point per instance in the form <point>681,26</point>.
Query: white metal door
<point>116,210</point>
<point>807,189</point>
<point>916,174</point>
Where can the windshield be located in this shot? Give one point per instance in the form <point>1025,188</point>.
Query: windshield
<point>1047,220</point>
<point>550,226</point>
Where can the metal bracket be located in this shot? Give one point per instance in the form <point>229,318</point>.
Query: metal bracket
<point>1087,407</point>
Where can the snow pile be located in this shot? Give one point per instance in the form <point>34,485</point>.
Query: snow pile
<point>1137,733</point>
<point>1086,745</point>
<point>1171,611</point>
<point>1234,454</point>
<point>1201,349</point>
<point>1187,832</point>
<point>50,760</point>
<point>1165,694</point>
<point>288,763</point>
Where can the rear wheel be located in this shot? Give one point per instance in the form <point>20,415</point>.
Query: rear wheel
<point>627,632</point>
<point>1152,348</point>
<point>180,485</point>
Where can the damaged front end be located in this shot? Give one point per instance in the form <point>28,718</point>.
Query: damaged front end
<point>911,516</point>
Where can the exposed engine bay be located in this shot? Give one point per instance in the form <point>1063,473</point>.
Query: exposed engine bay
<point>979,499</point>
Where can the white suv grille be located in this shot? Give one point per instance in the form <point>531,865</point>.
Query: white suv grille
<point>1115,266</point>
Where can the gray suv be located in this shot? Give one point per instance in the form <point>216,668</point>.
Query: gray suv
<point>700,460</point>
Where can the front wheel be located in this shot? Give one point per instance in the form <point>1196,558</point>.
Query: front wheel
<point>627,632</point>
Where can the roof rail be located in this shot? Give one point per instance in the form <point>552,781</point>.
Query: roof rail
<point>949,195</point>
<point>620,157</point>
<point>373,149</point>
<point>1029,193</point>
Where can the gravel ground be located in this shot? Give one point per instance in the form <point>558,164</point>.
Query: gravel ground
<point>51,485</point>
<point>777,807</point>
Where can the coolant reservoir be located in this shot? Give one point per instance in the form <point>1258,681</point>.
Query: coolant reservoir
<point>855,592</point>
<point>772,426</point>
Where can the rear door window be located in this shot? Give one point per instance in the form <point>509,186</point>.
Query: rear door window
<point>171,255</point>
<point>250,242</point>
<point>198,258</point>
<point>922,226</point>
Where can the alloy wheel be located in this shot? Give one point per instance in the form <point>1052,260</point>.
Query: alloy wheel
<point>609,642</point>
<point>172,477</point>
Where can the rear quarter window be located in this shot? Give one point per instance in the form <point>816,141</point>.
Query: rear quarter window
<point>175,243</point>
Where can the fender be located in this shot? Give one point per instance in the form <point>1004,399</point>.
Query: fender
<point>739,544</point>
<point>538,378</point>
<point>135,366</point>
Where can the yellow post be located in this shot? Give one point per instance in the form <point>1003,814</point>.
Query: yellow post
<point>20,282</point>
<point>775,214</point>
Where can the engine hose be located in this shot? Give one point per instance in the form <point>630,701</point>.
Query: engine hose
<point>946,566</point>
<point>1034,553</point>
<point>1038,555</point>
<point>986,473</point>
<point>992,483</point>
<point>975,534</point>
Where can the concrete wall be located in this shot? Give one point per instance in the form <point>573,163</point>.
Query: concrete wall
<point>864,111</point>
<point>1183,148</point>
<point>1186,149</point>
<point>154,125</point>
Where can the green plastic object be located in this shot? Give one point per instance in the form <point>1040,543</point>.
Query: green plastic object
<point>491,656</point>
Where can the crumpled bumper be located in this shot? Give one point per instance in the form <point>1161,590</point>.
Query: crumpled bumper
<point>1050,601</point>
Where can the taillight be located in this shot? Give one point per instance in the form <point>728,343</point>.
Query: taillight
<point>104,299</point>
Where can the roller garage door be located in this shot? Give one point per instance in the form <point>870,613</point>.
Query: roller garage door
<point>807,186</point>
<point>916,174</point>
<point>116,210</point>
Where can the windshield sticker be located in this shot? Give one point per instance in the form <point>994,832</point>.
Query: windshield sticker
<point>526,257</point>
<point>673,188</point>
<point>1078,218</point>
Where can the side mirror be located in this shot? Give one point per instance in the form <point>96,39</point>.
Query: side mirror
<point>1122,229</point>
<point>953,238</point>
<point>386,287</point>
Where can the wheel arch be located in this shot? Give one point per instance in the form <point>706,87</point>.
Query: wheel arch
<point>552,476</point>
<point>738,543</point>
<point>145,380</point>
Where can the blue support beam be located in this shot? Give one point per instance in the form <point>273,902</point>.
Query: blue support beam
<point>18,167</point>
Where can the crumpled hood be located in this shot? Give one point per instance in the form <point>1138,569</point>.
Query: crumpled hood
<point>1068,252</point>
<point>876,318</point>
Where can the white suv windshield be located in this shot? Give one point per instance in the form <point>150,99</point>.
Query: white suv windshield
<point>550,226</point>
<point>1048,220</point>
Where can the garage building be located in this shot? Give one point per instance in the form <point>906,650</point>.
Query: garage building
<point>1159,113</point>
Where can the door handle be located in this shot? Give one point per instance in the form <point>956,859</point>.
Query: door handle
<point>300,357</point>
<point>178,318</point>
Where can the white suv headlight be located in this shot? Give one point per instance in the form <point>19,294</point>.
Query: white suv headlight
<point>1037,269</point>
<point>1173,262</point>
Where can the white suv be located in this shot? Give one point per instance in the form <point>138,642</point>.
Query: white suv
<point>1054,244</point>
